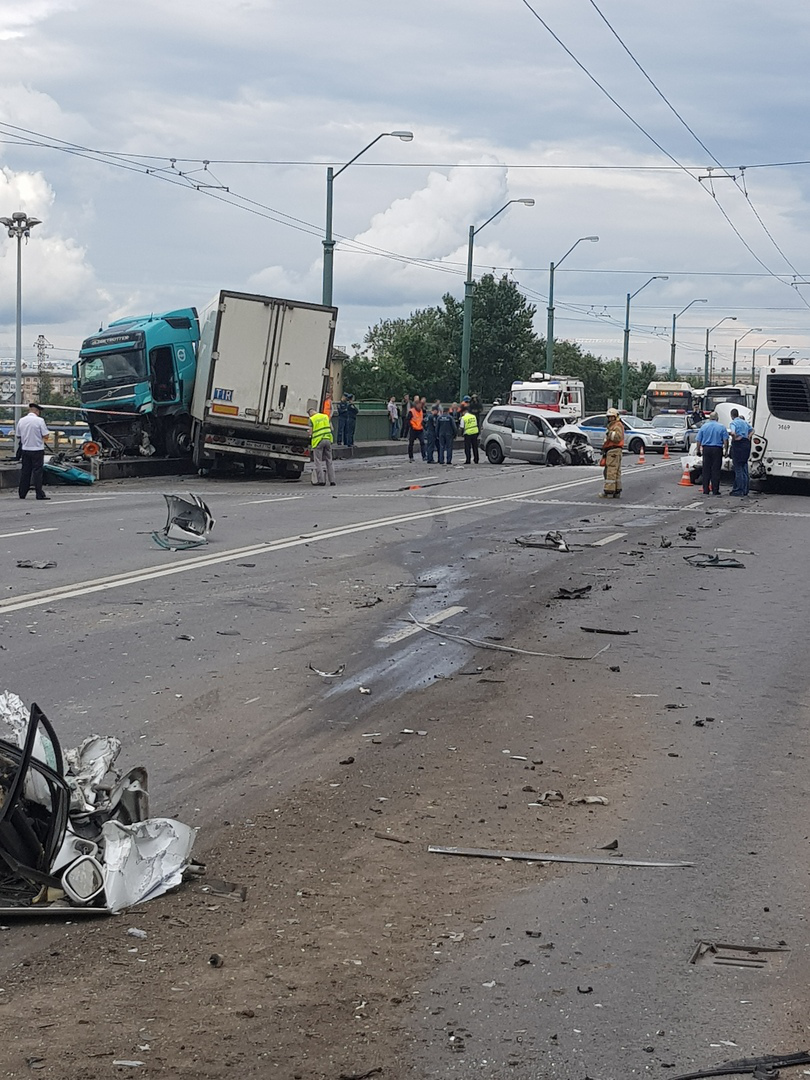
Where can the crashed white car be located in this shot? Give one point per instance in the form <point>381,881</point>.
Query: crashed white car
<point>74,832</point>
<point>695,463</point>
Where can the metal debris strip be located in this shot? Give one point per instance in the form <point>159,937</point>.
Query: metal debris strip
<point>188,523</point>
<point>546,856</point>
<point>716,953</point>
<point>328,674</point>
<point>749,1065</point>
<point>34,564</point>
<point>602,630</point>
<point>501,648</point>
<point>552,540</point>
<point>713,562</point>
<point>412,585</point>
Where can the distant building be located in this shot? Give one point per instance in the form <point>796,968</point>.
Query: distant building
<point>61,383</point>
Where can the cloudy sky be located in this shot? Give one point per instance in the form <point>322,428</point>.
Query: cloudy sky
<point>108,112</point>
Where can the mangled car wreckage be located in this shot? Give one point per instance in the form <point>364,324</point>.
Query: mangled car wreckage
<point>74,832</point>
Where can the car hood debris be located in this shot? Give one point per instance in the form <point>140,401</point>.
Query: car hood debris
<point>188,523</point>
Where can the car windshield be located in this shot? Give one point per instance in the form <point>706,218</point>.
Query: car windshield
<point>665,421</point>
<point>535,397</point>
<point>636,422</point>
<point>113,368</point>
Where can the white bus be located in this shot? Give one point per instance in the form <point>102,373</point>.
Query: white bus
<point>666,397</point>
<point>739,394</point>
<point>561,399</point>
<point>780,445</point>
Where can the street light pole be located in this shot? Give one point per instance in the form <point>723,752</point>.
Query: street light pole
<point>469,284</point>
<point>706,357</point>
<point>672,342</point>
<point>753,330</point>
<point>550,324</point>
<point>626,351</point>
<point>328,242</point>
<point>762,344</point>
<point>19,225</point>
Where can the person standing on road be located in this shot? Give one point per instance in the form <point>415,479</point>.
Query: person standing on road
<point>712,442</point>
<point>31,434</point>
<point>321,443</point>
<point>415,421</point>
<point>740,431</point>
<point>342,410</point>
<point>351,420</point>
<point>446,429</point>
<point>612,449</point>
<point>469,425</point>
<point>393,417</point>
<point>431,422</point>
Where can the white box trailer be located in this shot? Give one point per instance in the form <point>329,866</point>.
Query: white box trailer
<point>262,362</point>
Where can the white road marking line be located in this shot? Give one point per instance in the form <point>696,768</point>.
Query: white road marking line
<point>409,631</point>
<point>28,532</point>
<point>278,498</point>
<point>85,499</point>
<point>149,573</point>
<point>608,539</point>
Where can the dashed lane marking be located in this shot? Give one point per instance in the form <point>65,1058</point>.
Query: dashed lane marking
<point>28,532</point>
<point>608,539</point>
<point>409,631</point>
<point>278,498</point>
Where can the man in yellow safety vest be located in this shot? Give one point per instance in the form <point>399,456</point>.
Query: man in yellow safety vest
<point>321,443</point>
<point>469,425</point>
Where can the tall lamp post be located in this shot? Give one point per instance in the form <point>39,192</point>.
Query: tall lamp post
<point>672,342</point>
<point>550,330</point>
<point>725,318</point>
<point>466,328</point>
<point>19,225</point>
<point>762,344</point>
<point>753,330</point>
<point>626,352</point>
<point>328,242</point>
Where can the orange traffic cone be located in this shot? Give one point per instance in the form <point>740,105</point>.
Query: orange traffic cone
<point>686,479</point>
<point>666,452</point>
<point>641,459</point>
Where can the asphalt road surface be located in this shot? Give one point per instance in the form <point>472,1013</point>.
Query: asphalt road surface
<point>381,956</point>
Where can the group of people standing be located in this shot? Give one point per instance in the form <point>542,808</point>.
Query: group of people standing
<point>435,428</point>
<point>714,441</point>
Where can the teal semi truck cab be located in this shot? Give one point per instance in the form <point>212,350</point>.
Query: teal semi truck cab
<point>136,379</point>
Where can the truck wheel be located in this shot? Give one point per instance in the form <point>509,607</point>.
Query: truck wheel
<point>250,464</point>
<point>294,472</point>
<point>178,438</point>
<point>494,453</point>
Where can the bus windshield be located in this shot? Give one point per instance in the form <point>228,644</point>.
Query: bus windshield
<point>112,368</point>
<point>715,397</point>
<point>535,397</point>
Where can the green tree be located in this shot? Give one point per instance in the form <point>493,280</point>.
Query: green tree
<point>45,390</point>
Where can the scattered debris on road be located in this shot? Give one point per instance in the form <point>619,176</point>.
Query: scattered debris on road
<point>364,689</point>
<point>767,1065</point>
<point>604,630</point>
<point>713,562</point>
<point>412,585</point>
<point>552,540</point>
<point>188,523</point>
<point>74,832</point>
<point>590,800</point>
<point>328,674</point>
<point>34,564</point>
<point>501,648</point>
<point>540,856</point>
<point>578,593</point>
<point>390,836</point>
<point>217,887</point>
